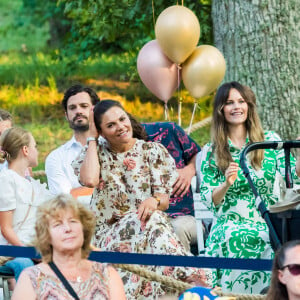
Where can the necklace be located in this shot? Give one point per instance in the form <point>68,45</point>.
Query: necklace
<point>71,278</point>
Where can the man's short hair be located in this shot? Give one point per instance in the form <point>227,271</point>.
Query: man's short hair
<point>5,115</point>
<point>78,88</point>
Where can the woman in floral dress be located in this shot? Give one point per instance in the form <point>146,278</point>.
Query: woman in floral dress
<point>133,181</point>
<point>239,231</point>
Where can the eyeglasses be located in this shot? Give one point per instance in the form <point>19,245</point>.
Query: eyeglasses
<point>293,268</point>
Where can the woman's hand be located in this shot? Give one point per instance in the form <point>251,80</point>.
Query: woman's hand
<point>146,209</point>
<point>231,173</point>
<point>90,167</point>
<point>93,132</point>
<point>183,182</point>
<point>230,176</point>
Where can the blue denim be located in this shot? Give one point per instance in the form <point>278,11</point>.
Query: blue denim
<point>19,264</point>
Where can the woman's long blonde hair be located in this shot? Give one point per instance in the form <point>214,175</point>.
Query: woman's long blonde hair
<point>220,131</point>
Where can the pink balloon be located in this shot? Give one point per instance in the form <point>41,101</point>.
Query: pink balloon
<point>157,72</point>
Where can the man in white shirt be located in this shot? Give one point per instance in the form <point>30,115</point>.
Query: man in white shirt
<point>77,102</point>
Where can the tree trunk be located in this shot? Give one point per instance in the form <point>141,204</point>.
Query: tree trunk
<point>260,40</point>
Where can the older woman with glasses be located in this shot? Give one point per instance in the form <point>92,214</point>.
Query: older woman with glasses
<point>285,282</point>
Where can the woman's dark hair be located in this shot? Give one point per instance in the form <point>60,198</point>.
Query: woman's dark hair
<point>78,88</point>
<point>277,290</point>
<point>103,106</point>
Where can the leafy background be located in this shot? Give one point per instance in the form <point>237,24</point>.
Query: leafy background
<point>47,46</point>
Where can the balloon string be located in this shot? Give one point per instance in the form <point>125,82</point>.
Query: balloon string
<point>192,118</point>
<point>179,95</point>
<point>181,2</point>
<point>166,112</point>
<point>153,16</point>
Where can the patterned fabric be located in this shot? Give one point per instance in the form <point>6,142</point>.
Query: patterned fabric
<point>240,231</point>
<point>199,293</point>
<point>127,179</point>
<point>182,148</point>
<point>48,286</point>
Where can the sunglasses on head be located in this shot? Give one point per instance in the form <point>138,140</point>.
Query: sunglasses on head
<point>294,269</point>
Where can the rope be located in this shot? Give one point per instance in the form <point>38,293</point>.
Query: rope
<point>219,292</point>
<point>151,275</point>
<point>200,124</point>
<point>178,285</point>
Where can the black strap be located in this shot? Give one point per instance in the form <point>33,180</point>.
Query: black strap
<point>63,280</point>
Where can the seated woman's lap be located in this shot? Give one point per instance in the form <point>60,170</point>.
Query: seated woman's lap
<point>240,239</point>
<point>128,235</point>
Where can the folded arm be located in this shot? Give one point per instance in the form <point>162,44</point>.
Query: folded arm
<point>7,230</point>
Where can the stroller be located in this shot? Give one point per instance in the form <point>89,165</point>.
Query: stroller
<point>285,225</point>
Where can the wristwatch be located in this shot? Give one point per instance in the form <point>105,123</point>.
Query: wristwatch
<point>157,199</point>
<point>90,138</point>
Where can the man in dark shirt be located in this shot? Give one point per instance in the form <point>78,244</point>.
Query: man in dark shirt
<point>183,149</point>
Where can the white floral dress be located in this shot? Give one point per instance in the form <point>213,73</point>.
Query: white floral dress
<point>239,230</point>
<point>126,180</point>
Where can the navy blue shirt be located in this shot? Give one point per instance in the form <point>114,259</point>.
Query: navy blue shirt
<point>182,148</point>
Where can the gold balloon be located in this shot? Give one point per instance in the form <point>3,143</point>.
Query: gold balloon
<point>203,71</point>
<point>177,31</point>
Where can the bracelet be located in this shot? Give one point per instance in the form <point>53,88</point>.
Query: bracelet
<point>91,138</point>
<point>157,199</point>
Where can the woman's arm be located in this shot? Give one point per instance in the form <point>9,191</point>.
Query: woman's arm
<point>7,230</point>
<point>23,289</point>
<point>115,284</point>
<point>219,193</point>
<point>90,168</point>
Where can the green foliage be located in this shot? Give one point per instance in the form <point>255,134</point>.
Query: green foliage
<point>17,30</point>
<point>51,13</point>
<point>123,25</point>
<point>32,78</point>
<point>201,135</point>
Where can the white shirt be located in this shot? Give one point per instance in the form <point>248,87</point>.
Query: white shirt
<point>60,174</point>
<point>3,166</point>
<point>18,194</point>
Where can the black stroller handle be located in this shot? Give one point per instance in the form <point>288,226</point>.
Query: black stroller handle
<point>278,145</point>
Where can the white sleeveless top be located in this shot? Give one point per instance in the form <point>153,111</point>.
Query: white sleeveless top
<point>19,193</point>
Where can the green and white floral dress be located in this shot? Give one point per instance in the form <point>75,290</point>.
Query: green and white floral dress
<point>239,231</point>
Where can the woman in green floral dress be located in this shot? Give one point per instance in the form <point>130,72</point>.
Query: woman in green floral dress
<point>239,231</point>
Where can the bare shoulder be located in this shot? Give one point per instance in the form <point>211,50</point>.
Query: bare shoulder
<point>24,288</point>
<point>116,287</point>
